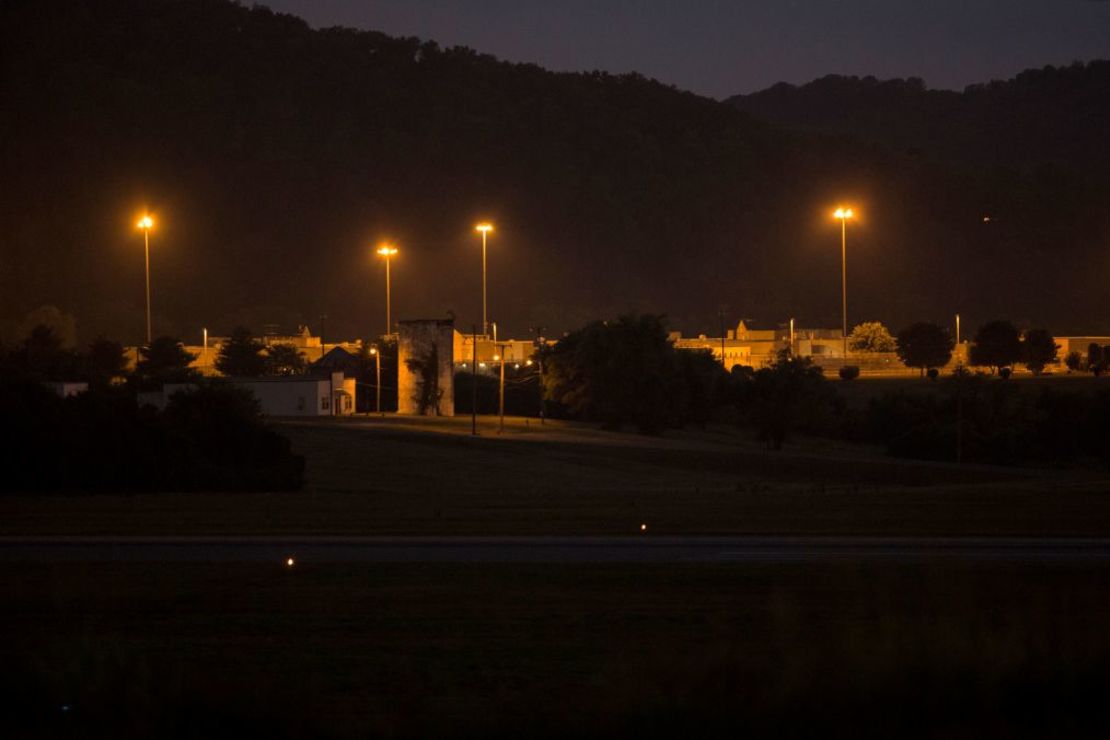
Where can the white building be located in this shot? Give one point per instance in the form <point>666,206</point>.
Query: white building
<point>296,395</point>
<point>66,388</point>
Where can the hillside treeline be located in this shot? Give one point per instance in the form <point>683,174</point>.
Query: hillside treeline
<point>274,156</point>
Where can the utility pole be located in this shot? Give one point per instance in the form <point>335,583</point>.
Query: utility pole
<point>721,315</point>
<point>539,364</point>
<point>959,398</point>
<point>501,391</point>
<point>376,351</point>
<point>474,382</point>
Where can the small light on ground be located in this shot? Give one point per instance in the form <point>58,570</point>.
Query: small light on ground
<point>289,562</point>
<point>643,527</point>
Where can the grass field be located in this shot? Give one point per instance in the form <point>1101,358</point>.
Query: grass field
<point>478,651</point>
<point>502,650</point>
<point>407,477</point>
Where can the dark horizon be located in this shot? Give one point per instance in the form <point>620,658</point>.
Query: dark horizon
<point>724,49</point>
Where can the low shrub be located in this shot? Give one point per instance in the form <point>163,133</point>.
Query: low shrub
<point>849,372</point>
<point>209,438</point>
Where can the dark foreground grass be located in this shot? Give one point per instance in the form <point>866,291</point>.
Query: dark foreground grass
<point>364,481</point>
<point>522,651</point>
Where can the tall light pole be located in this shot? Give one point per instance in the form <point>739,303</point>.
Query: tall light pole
<point>485,229</point>
<point>387,251</point>
<point>844,214</point>
<point>146,223</point>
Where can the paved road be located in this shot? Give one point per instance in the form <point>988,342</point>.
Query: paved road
<point>643,549</point>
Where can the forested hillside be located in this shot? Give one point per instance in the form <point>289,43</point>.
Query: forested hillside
<point>1054,115</point>
<point>274,156</point>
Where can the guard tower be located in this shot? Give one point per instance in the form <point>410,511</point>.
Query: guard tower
<point>425,367</point>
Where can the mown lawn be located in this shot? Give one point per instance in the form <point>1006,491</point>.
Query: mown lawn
<point>385,479</point>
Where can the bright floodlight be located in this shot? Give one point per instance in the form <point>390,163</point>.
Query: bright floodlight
<point>146,222</point>
<point>386,250</point>
<point>485,228</point>
<point>843,213</point>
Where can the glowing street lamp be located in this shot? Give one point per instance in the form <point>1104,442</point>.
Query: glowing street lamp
<point>485,229</point>
<point>844,214</point>
<point>387,251</point>
<point>146,223</point>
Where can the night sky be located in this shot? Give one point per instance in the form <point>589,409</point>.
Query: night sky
<point>724,47</point>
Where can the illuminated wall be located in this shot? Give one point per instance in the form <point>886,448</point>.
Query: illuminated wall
<point>418,342</point>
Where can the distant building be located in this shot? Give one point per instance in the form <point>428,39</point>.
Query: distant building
<point>744,346</point>
<point>515,351</point>
<point>205,354</point>
<point>1077,344</point>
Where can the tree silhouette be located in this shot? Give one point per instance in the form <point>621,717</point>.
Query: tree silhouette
<point>1040,349</point>
<point>41,356</point>
<point>871,336</point>
<point>165,361</point>
<point>617,372</point>
<point>241,355</point>
<point>284,359</point>
<point>1094,358</point>
<point>791,394</point>
<point>924,345</point>
<point>997,344</point>
<point>105,361</point>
